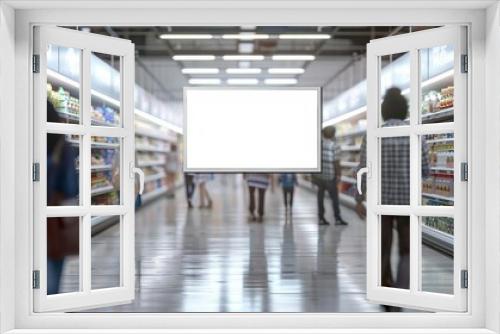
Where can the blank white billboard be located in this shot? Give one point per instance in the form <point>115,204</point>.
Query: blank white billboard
<point>252,129</point>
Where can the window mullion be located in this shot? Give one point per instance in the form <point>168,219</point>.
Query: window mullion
<point>85,161</point>
<point>415,164</point>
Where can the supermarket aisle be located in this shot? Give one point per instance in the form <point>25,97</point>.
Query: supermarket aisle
<point>216,261</point>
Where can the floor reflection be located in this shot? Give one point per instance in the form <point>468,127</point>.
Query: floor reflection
<point>215,260</point>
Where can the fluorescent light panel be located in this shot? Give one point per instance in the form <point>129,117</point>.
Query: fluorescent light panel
<point>245,47</point>
<point>243,70</point>
<point>242,81</point>
<point>281,81</point>
<point>186,36</point>
<point>204,81</point>
<point>304,36</point>
<point>294,57</point>
<point>283,70</point>
<point>200,70</point>
<point>245,36</point>
<point>193,57</point>
<point>243,57</point>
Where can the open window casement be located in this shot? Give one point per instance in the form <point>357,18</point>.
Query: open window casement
<point>426,202</point>
<point>73,150</point>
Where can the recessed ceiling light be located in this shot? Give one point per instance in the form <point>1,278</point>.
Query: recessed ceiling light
<point>193,57</point>
<point>200,70</point>
<point>243,81</point>
<point>304,36</point>
<point>283,70</point>
<point>293,57</point>
<point>245,47</point>
<point>287,81</point>
<point>243,70</point>
<point>186,36</point>
<point>245,36</point>
<point>203,81</point>
<point>244,64</point>
<point>243,57</point>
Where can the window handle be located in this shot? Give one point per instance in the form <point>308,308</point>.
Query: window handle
<point>359,177</point>
<point>138,171</point>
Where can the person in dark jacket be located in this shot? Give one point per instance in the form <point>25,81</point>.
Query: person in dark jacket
<point>62,189</point>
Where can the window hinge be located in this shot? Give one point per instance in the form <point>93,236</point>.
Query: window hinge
<point>36,172</point>
<point>464,171</point>
<point>464,279</point>
<point>36,279</point>
<point>36,63</point>
<point>465,64</point>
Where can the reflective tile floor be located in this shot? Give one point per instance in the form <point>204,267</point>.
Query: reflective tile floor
<point>216,260</point>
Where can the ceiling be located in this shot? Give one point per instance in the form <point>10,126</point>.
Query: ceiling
<point>339,61</point>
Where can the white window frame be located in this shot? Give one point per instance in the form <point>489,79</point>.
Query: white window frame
<point>86,297</point>
<point>412,44</point>
<point>483,241</point>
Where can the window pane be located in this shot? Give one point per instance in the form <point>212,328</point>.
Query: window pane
<point>395,251</point>
<point>395,171</point>
<point>437,169</point>
<point>106,89</point>
<point>63,84</point>
<point>437,254</point>
<point>105,251</point>
<point>436,84</point>
<point>105,180</point>
<point>63,176</point>
<point>394,89</point>
<point>63,249</point>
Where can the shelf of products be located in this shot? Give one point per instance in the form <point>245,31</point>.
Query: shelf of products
<point>153,142</point>
<point>437,187</point>
<point>105,189</point>
<point>348,114</point>
<point>438,232</point>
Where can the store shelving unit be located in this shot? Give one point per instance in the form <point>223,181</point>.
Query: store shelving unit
<point>154,136</point>
<point>351,129</point>
<point>152,149</point>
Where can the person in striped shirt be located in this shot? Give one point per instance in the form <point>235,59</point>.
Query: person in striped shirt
<point>257,183</point>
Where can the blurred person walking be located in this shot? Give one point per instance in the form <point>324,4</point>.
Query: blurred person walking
<point>62,189</point>
<point>190,188</point>
<point>395,183</point>
<point>258,183</point>
<point>201,180</point>
<point>172,167</point>
<point>288,182</point>
<point>328,178</point>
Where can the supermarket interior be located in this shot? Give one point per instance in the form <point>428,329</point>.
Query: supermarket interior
<point>209,253</point>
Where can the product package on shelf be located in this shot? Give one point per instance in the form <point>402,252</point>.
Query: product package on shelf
<point>104,115</point>
<point>437,106</point>
<point>67,106</point>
